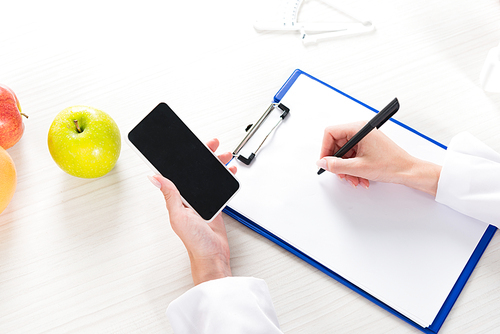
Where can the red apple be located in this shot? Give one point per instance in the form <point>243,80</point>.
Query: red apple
<point>11,122</point>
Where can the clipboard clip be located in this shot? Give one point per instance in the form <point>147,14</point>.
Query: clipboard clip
<point>252,128</point>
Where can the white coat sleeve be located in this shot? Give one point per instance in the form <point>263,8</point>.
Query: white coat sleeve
<point>235,305</point>
<point>470,179</point>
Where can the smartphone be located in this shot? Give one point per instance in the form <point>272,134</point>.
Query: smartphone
<point>174,151</point>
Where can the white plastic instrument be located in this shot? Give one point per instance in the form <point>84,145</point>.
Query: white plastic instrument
<point>312,32</point>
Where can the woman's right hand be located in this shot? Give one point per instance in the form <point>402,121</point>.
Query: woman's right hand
<point>376,157</point>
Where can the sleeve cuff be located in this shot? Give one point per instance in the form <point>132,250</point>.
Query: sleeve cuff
<point>469,181</point>
<point>227,305</point>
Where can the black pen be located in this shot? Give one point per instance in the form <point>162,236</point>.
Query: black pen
<point>376,122</point>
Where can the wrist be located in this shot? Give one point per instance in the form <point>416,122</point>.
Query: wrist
<point>423,176</point>
<point>209,268</point>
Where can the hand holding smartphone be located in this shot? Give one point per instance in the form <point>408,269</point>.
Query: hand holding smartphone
<point>171,149</point>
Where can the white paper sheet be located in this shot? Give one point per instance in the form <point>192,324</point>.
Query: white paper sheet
<point>393,242</point>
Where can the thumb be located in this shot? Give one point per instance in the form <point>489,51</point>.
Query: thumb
<point>172,196</point>
<point>339,165</point>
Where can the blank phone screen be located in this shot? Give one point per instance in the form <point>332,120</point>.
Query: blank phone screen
<point>177,154</point>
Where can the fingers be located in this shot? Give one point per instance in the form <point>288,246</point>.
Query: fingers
<point>225,157</point>
<point>213,144</point>
<point>336,136</point>
<point>338,165</point>
<point>172,196</point>
<point>345,169</point>
<point>364,183</point>
<point>333,139</point>
<point>357,181</point>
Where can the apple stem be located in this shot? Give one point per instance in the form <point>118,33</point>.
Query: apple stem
<point>22,114</point>
<point>77,126</point>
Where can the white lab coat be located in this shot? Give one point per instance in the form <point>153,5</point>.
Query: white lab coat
<point>232,305</point>
<point>469,183</point>
<point>470,179</point>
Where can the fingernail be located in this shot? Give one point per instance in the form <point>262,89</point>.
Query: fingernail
<point>155,182</point>
<point>322,164</point>
<point>351,183</point>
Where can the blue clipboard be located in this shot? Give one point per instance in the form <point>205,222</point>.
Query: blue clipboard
<point>462,279</point>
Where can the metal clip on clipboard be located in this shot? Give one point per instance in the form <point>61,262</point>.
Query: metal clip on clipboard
<point>252,129</point>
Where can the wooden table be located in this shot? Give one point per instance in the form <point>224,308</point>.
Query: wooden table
<point>99,256</point>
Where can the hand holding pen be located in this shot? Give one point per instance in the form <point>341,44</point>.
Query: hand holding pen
<point>376,122</point>
<point>375,158</point>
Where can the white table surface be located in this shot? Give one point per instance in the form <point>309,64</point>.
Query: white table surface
<point>99,256</point>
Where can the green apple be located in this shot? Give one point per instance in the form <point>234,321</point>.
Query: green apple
<point>84,142</point>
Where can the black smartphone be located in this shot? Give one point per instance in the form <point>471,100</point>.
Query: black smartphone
<point>174,151</point>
